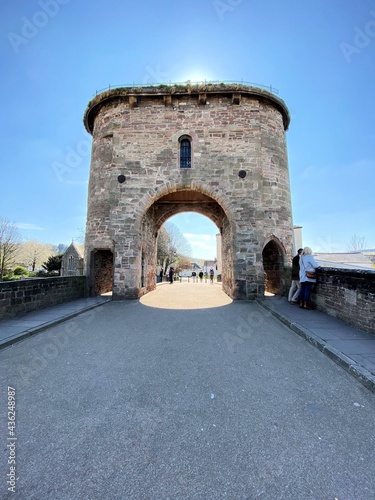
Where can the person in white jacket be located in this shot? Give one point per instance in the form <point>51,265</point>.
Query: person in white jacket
<point>307,264</point>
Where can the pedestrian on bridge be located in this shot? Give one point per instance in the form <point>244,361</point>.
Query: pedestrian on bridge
<point>307,274</point>
<point>212,273</point>
<point>171,274</point>
<point>295,287</point>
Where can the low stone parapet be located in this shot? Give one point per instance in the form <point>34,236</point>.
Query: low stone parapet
<point>348,294</point>
<point>29,294</point>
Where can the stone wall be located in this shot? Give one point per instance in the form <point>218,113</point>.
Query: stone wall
<point>238,178</point>
<point>26,295</point>
<point>348,295</point>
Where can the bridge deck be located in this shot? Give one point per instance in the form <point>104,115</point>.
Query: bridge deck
<point>221,400</point>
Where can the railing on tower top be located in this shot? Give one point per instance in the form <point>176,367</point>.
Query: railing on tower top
<point>270,88</point>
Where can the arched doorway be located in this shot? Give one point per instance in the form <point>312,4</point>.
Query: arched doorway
<point>101,276</point>
<point>186,200</point>
<point>273,265</point>
<point>193,242</point>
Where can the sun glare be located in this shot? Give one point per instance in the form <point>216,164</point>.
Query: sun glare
<point>197,76</point>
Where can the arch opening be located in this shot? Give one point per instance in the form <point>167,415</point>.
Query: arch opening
<point>273,265</point>
<point>101,275</point>
<point>177,202</point>
<point>196,241</point>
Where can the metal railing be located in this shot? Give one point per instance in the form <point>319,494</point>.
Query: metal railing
<point>270,88</point>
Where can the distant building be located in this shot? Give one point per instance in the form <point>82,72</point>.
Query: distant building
<point>207,266</point>
<point>72,261</point>
<point>344,260</point>
<point>297,238</point>
<point>195,267</point>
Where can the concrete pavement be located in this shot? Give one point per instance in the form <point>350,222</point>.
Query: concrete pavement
<point>15,329</point>
<point>348,346</point>
<point>133,401</point>
<point>351,348</point>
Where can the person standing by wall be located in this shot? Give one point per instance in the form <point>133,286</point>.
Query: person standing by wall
<point>295,287</point>
<point>307,274</point>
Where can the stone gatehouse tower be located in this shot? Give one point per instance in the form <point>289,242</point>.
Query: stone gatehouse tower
<point>219,150</point>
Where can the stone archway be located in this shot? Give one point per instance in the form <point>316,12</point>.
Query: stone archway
<point>188,200</point>
<point>273,265</point>
<point>236,174</point>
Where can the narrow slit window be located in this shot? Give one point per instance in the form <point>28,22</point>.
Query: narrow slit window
<point>70,263</point>
<point>185,153</point>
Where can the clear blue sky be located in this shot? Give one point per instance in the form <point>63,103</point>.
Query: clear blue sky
<point>319,54</point>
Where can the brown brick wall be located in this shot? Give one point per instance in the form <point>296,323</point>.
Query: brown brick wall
<point>26,295</point>
<point>348,295</point>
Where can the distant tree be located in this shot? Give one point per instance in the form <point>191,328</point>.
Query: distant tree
<point>183,263</point>
<point>32,254</point>
<point>172,246</point>
<point>60,248</point>
<point>20,271</point>
<point>9,238</point>
<point>357,243</point>
<point>53,264</point>
<point>177,240</point>
<point>80,236</point>
<point>163,248</point>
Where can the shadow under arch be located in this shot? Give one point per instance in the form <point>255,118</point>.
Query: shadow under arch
<point>168,201</point>
<point>273,256</point>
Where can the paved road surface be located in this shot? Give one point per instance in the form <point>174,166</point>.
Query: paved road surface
<point>133,401</point>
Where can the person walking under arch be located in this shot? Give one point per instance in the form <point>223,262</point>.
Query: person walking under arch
<point>171,274</point>
<point>307,274</point>
<point>212,273</point>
